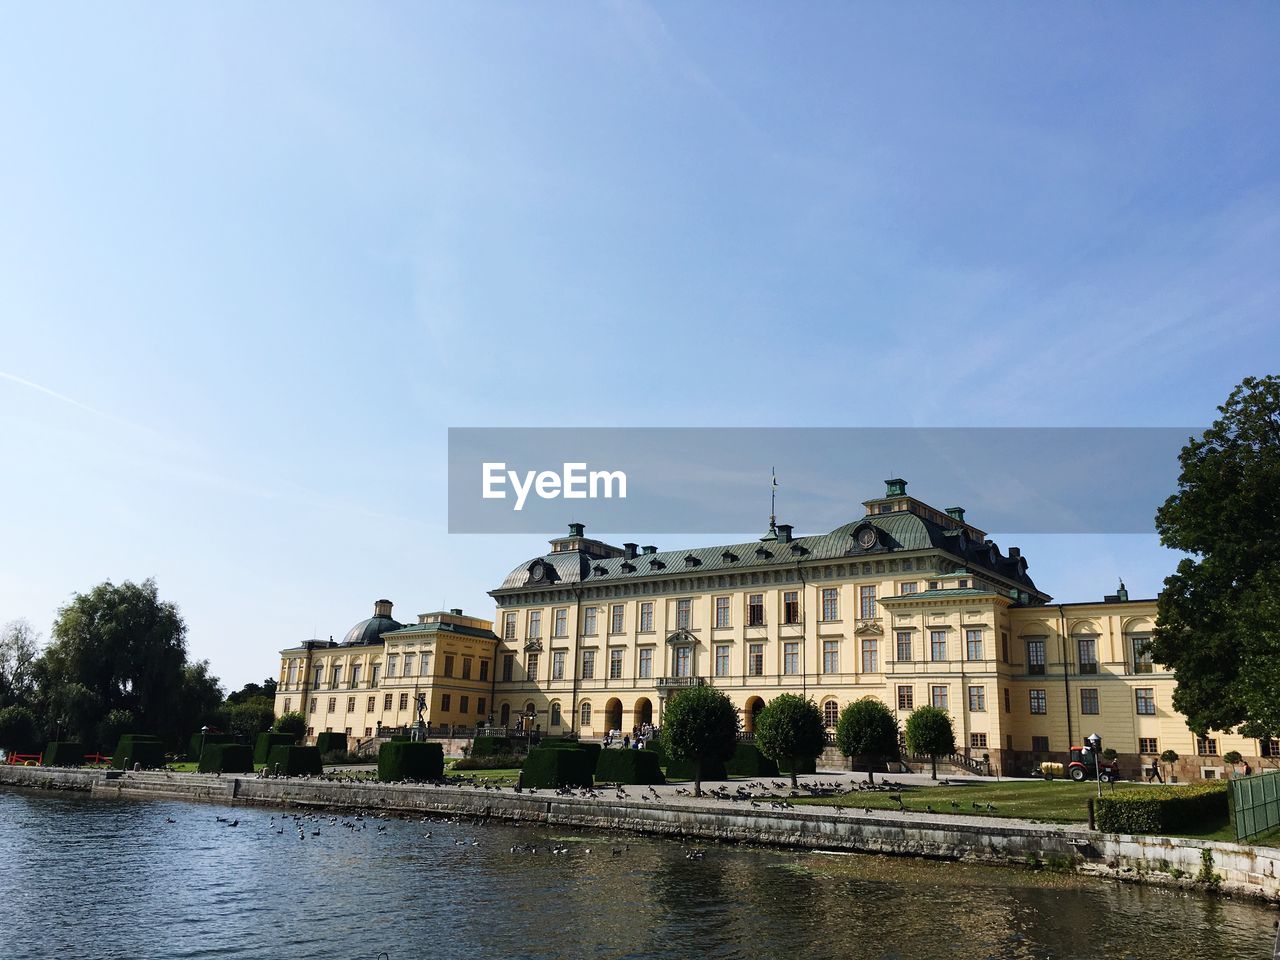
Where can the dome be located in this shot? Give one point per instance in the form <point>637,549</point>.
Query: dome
<point>369,631</point>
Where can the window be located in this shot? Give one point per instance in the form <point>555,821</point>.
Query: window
<point>1039,703</point>
<point>368,731</point>
<point>509,626</point>
<point>684,614</point>
<point>867,602</point>
<point>906,698</point>
<point>755,660</point>
<point>557,664</point>
<point>588,664</point>
<point>466,668</point>
<point>1004,647</point>
<point>1035,656</point>
<point>910,587</point>
<point>531,666</point>
<point>646,617</point>
<point>1008,707</point>
<point>355,676</point>
<point>464,703</point>
<point>830,656</point>
<point>288,704</point>
<point>336,678</point>
<point>560,622</point>
<point>311,707</point>
<point>722,611</point>
<point>404,701</point>
<point>615,663</point>
<point>977,741</point>
<point>1142,654</point>
<point>446,701</point>
<point>293,672</point>
<point>904,646</point>
<point>408,665</point>
<point>1148,745</point>
<point>615,618</point>
<point>722,660</point>
<point>319,676</point>
<point>535,623</point>
<point>978,699</point>
<point>682,661</point>
<point>1039,744</point>
<point>937,645</point>
<point>1209,773</point>
<point>484,669</point>
<point>1207,746</point>
<point>1089,701</point>
<point>448,664</point>
<point>424,666</point>
<point>392,662</point>
<point>791,657</point>
<point>973,645</point>
<point>830,713</point>
<point>589,621</point>
<point>755,610</point>
<point>830,604</point>
<point>585,713</point>
<point>1145,700</point>
<point>1266,748</point>
<point>480,704</point>
<point>555,713</point>
<point>351,704</point>
<point>790,606</point>
<point>870,656</point>
<point>646,663</point>
<point>372,705</point>
<point>508,666</point>
<point>1087,648</point>
<point>938,697</point>
<point>333,704</point>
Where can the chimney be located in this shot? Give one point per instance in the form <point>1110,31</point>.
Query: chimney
<point>897,487</point>
<point>382,608</point>
<point>629,550</point>
<point>784,533</point>
<point>649,549</point>
<point>575,529</point>
<point>456,611</point>
<point>956,513</point>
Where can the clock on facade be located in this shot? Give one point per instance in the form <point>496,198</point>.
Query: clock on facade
<point>538,570</point>
<point>867,538</point>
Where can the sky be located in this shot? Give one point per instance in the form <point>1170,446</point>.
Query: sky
<point>255,260</point>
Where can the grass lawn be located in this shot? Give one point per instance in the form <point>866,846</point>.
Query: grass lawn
<point>502,776</point>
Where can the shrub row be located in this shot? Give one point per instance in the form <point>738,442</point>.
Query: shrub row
<point>410,760</point>
<point>748,761</point>
<point>199,740</point>
<point>591,749</point>
<point>628,766</point>
<point>64,753</point>
<point>138,748</point>
<point>557,767</point>
<point>226,758</point>
<point>268,740</point>
<point>491,746</point>
<point>1171,809</point>
<point>497,761</point>
<point>291,761</point>
<point>328,742</point>
<point>805,765</point>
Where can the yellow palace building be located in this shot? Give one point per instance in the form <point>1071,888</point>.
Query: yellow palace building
<point>910,604</point>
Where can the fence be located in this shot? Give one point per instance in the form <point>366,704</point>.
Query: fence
<point>1255,803</point>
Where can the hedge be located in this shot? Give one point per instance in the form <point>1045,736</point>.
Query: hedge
<point>294,761</point>
<point>138,748</point>
<point>556,768</point>
<point>628,766</point>
<point>199,739</point>
<point>498,761</point>
<point>410,760</point>
<point>748,761</point>
<point>587,747</point>
<point>1167,809</point>
<point>267,741</point>
<point>226,758</point>
<point>806,765</point>
<point>491,746</point>
<point>329,742</point>
<point>684,770</point>
<point>64,753</point>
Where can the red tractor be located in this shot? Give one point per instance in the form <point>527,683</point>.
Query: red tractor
<point>1085,765</point>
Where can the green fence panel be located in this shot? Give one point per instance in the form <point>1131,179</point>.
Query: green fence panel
<point>1255,803</point>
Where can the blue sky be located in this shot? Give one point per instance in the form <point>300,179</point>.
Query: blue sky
<point>254,261</point>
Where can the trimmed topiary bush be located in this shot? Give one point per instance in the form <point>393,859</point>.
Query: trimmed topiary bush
<point>684,770</point>
<point>491,746</point>
<point>556,768</point>
<point>64,753</point>
<point>804,765</point>
<point>294,761</point>
<point>748,761</point>
<point>1162,810</point>
<point>329,742</point>
<point>410,760</point>
<point>628,766</point>
<point>197,738</point>
<point>138,748</point>
<point>268,740</point>
<point>226,758</point>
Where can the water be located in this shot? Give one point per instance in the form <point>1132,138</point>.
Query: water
<point>84,878</point>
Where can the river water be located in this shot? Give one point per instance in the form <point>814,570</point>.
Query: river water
<point>97,879</point>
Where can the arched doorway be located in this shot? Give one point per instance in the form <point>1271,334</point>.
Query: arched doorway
<point>613,715</point>
<point>556,718</point>
<point>643,711</point>
<point>749,714</point>
<point>504,716</point>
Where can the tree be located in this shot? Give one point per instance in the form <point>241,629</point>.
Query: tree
<point>250,718</point>
<point>790,729</point>
<point>1170,757</point>
<point>113,726</point>
<point>1233,757</point>
<point>254,691</point>
<point>867,729</point>
<point>700,724</point>
<point>929,734</point>
<point>1218,618</point>
<point>293,722</point>
<point>19,648</point>
<point>18,733</point>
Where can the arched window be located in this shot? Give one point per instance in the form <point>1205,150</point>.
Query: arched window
<point>504,717</point>
<point>586,713</point>
<point>830,713</point>
<point>555,713</point>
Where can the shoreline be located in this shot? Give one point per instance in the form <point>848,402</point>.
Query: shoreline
<point>1206,866</point>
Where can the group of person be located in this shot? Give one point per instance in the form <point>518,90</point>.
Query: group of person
<point>637,739</point>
